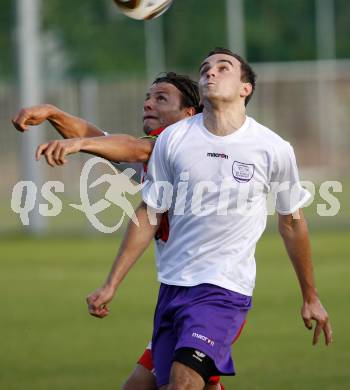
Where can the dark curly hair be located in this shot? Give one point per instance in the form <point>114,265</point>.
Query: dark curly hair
<point>187,87</point>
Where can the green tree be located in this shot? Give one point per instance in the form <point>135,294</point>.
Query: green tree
<point>7,39</point>
<point>97,40</point>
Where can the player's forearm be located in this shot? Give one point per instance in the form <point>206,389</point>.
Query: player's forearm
<point>135,242</point>
<point>296,239</point>
<point>70,126</point>
<point>118,147</point>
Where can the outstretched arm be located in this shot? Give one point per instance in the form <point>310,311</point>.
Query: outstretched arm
<point>136,240</point>
<point>69,126</point>
<point>296,239</point>
<point>118,147</point>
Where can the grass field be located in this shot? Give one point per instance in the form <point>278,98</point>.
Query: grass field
<point>48,341</point>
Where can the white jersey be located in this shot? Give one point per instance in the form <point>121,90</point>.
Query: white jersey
<point>215,190</point>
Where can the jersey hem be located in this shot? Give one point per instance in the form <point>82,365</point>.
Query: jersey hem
<point>231,287</point>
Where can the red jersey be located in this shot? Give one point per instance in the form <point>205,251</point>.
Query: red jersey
<point>163,230</point>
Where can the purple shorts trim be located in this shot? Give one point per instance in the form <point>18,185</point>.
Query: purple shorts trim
<point>205,317</point>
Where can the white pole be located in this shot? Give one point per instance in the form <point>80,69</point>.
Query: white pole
<point>154,45</point>
<point>88,99</point>
<point>30,75</point>
<point>325,29</point>
<point>235,26</point>
<point>326,54</point>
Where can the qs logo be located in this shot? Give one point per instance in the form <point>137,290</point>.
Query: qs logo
<point>24,196</point>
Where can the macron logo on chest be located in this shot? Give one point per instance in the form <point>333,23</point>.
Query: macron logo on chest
<point>218,155</point>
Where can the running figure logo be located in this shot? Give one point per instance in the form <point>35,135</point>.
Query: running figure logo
<point>120,184</point>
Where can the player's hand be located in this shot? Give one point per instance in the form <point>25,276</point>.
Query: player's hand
<point>315,311</point>
<point>32,116</point>
<point>98,301</point>
<point>56,152</point>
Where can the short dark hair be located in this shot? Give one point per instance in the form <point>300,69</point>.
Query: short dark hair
<point>187,87</point>
<point>248,75</point>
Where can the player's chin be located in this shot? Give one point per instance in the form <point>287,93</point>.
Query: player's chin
<point>210,92</point>
<point>150,124</point>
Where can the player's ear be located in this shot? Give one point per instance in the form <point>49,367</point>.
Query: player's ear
<point>246,90</point>
<point>190,111</point>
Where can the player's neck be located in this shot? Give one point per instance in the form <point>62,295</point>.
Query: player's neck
<point>223,121</point>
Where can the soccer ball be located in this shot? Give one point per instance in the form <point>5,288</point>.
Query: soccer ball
<point>143,9</point>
